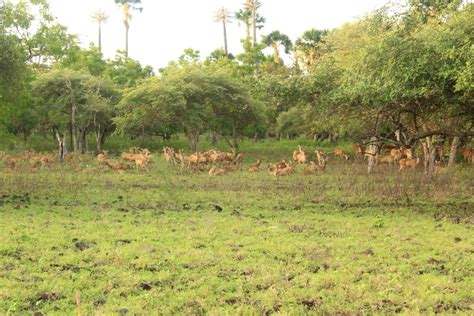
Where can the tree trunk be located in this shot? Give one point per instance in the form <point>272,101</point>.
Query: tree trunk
<point>193,137</point>
<point>213,138</point>
<point>397,135</point>
<point>70,135</point>
<point>126,38</point>
<point>80,144</point>
<point>453,151</point>
<point>226,51</point>
<point>86,143</point>
<point>372,157</point>
<point>431,162</point>
<point>61,138</point>
<point>73,126</point>
<point>429,151</point>
<point>97,134</point>
<point>254,25</point>
<point>83,140</point>
<point>97,141</point>
<point>234,141</point>
<point>100,37</point>
<point>276,53</point>
<point>103,137</point>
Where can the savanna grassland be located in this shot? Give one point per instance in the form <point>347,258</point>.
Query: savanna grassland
<point>175,242</point>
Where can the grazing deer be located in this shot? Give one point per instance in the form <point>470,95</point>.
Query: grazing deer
<point>359,150</point>
<point>468,154</point>
<point>390,160</point>
<point>395,152</point>
<point>338,152</point>
<point>409,163</point>
<point>321,157</point>
<point>284,171</point>
<point>239,159</point>
<point>115,165</point>
<point>13,162</point>
<point>255,167</point>
<point>101,158</point>
<point>299,156</point>
<point>407,153</point>
<point>167,154</point>
<point>215,171</point>
<point>43,160</point>
<point>141,163</point>
<point>388,148</point>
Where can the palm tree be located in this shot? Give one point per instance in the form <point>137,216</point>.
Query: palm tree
<point>276,39</point>
<point>244,17</point>
<point>308,48</point>
<point>100,17</point>
<point>252,6</point>
<point>127,17</point>
<point>222,16</point>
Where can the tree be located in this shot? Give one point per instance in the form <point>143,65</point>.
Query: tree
<point>29,42</point>
<point>245,16</point>
<point>126,72</point>
<point>128,5</point>
<point>252,6</point>
<point>194,99</point>
<point>310,46</point>
<point>276,39</point>
<point>44,42</point>
<point>390,84</point>
<point>100,17</point>
<point>72,102</point>
<point>89,60</point>
<point>223,16</point>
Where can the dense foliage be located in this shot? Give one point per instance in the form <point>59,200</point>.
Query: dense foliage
<point>399,75</point>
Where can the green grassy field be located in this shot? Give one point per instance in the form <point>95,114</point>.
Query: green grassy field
<point>172,242</point>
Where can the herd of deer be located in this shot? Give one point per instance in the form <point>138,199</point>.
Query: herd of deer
<point>13,162</point>
<point>390,155</point>
<point>140,157</point>
<point>218,163</point>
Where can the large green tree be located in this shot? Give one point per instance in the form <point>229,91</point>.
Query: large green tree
<point>75,103</point>
<point>194,99</point>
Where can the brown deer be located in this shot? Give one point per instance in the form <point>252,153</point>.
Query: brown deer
<point>321,157</point>
<point>117,166</point>
<point>299,156</point>
<point>216,171</point>
<point>359,150</point>
<point>409,163</point>
<point>338,152</point>
<point>284,171</point>
<point>255,167</point>
<point>101,158</point>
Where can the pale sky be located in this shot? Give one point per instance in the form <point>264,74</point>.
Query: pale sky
<point>165,28</point>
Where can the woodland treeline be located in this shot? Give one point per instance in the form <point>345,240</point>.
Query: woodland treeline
<point>399,75</point>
